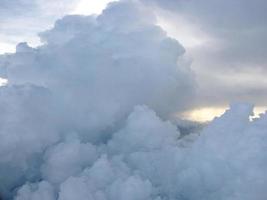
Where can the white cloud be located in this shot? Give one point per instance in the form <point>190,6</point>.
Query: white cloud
<point>87,77</point>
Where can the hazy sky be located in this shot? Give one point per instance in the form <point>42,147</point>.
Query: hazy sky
<point>224,39</point>
<point>22,20</point>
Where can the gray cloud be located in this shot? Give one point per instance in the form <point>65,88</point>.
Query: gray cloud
<point>237,32</point>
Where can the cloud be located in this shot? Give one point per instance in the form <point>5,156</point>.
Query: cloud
<point>86,116</point>
<point>89,59</point>
<point>43,190</point>
<point>86,78</point>
<point>226,160</point>
<point>232,42</point>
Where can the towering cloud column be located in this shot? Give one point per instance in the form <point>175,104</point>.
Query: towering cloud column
<point>82,84</point>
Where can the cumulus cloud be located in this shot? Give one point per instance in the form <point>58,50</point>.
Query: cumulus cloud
<point>224,162</point>
<point>42,191</point>
<point>106,65</point>
<point>66,159</point>
<point>86,116</point>
<point>82,83</point>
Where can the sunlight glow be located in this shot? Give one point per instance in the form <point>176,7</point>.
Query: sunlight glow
<point>3,82</point>
<point>203,114</point>
<point>209,113</point>
<point>187,34</point>
<point>88,7</point>
<point>258,111</point>
<point>7,48</point>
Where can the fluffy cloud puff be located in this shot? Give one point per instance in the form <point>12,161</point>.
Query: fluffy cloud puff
<point>224,162</point>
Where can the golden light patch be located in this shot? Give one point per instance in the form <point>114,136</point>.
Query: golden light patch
<point>259,110</point>
<point>209,113</point>
<point>203,114</point>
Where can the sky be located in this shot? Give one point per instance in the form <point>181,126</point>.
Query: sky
<point>225,42</point>
<point>22,20</point>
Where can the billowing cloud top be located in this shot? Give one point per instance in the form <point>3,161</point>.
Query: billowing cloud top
<point>90,73</point>
<point>106,65</point>
<point>225,39</point>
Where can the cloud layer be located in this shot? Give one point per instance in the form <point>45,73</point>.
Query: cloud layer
<point>85,116</point>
